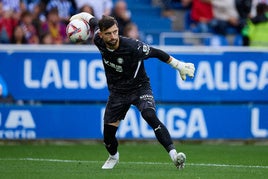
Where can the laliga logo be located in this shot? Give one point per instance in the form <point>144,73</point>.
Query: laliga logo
<point>18,125</point>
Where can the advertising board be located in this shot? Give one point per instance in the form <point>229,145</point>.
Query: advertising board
<point>85,122</point>
<point>73,75</point>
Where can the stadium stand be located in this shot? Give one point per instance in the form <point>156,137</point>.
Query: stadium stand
<point>157,29</point>
<point>149,20</point>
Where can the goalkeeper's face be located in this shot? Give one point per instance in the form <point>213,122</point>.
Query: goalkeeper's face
<point>111,37</point>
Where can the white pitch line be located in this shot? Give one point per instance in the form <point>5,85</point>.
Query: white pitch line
<point>134,163</point>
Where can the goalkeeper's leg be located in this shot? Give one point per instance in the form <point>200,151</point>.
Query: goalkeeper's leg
<point>163,136</point>
<point>112,114</point>
<point>111,145</point>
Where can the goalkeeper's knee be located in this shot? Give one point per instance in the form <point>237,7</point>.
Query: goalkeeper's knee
<point>150,117</point>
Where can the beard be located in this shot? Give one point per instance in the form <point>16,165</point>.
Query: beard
<point>112,43</point>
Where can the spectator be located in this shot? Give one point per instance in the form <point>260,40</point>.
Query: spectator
<point>257,27</point>
<point>38,8</point>
<point>38,15</point>
<point>30,4</point>
<point>200,14</point>
<point>122,15</point>
<point>29,29</point>
<point>226,17</point>
<point>169,7</point>
<point>14,6</point>
<point>18,36</point>
<point>66,8</point>
<point>100,7</point>
<point>55,27</point>
<point>131,30</point>
<point>46,38</point>
<point>254,6</point>
<point>244,9</point>
<point>7,24</point>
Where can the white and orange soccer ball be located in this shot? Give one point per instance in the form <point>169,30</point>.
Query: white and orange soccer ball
<point>78,30</point>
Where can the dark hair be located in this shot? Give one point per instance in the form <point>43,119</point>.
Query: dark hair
<point>106,22</point>
<point>25,14</point>
<point>261,8</point>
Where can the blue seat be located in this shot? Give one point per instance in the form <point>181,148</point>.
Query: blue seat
<point>216,40</point>
<point>238,40</point>
<point>187,20</point>
<point>145,11</point>
<point>136,2</point>
<point>153,24</point>
<point>151,38</point>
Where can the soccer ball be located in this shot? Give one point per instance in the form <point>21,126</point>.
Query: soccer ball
<point>78,30</point>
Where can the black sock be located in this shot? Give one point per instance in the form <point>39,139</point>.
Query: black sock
<point>163,137</point>
<point>110,140</point>
<point>159,128</point>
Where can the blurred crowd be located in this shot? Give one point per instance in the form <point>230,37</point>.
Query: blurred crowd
<point>45,21</point>
<point>248,18</point>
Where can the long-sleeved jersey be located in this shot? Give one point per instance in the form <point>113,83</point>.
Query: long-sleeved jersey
<point>124,66</point>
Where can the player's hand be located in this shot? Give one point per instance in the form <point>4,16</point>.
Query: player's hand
<point>82,15</point>
<point>187,69</point>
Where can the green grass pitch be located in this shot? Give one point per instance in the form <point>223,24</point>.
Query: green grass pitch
<point>137,160</point>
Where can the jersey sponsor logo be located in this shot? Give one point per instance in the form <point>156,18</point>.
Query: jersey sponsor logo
<point>120,60</point>
<point>146,97</point>
<point>117,68</point>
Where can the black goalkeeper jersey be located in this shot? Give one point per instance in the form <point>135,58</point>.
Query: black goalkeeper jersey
<point>124,67</point>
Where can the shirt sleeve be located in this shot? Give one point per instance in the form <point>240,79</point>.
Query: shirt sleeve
<point>145,51</point>
<point>160,54</point>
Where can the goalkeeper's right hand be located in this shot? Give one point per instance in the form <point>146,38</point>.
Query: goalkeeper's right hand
<point>82,15</point>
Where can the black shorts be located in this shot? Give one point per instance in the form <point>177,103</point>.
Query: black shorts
<point>118,104</point>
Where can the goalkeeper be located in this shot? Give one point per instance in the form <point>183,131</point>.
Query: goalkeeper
<point>128,84</point>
